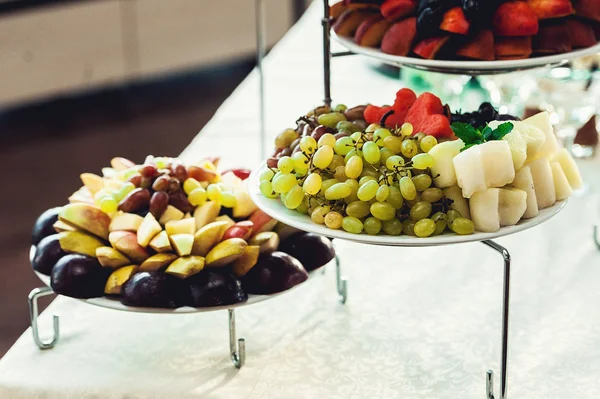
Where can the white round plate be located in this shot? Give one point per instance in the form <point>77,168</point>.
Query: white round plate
<point>276,209</point>
<point>115,304</point>
<point>466,67</point>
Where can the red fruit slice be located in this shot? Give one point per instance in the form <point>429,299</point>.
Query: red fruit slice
<point>393,10</point>
<point>428,48</point>
<point>546,9</point>
<point>455,21</point>
<point>370,32</point>
<point>581,34</point>
<point>552,39</point>
<point>347,23</point>
<point>373,113</point>
<point>405,98</point>
<point>515,18</point>
<point>480,47</point>
<point>512,48</point>
<point>427,116</point>
<point>588,9</point>
<point>399,38</point>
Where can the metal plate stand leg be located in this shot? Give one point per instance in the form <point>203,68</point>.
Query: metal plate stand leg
<point>596,238</point>
<point>237,347</point>
<point>341,281</point>
<point>33,317</point>
<point>505,313</point>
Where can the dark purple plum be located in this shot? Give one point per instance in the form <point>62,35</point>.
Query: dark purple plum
<point>156,290</point>
<point>274,272</point>
<point>43,226</point>
<point>47,253</point>
<point>312,250</point>
<point>79,276</point>
<point>209,288</point>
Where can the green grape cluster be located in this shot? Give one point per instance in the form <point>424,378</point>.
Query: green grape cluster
<point>374,180</point>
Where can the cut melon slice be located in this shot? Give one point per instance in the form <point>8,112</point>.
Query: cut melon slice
<point>532,135</point>
<point>524,181</point>
<point>443,168</point>
<point>543,182</point>
<point>569,167</point>
<point>561,184</point>
<point>459,203</point>
<point>484,210</point>
<point>542,122</point>
<point>512,204</point>
<point>518,148</point>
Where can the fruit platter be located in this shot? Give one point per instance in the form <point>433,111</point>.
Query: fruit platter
<point>415,173</point>
<point>170,236</point>
<point>474,36</point>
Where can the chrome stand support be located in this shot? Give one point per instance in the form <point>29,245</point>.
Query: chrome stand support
<point>237,347</point>
<point>505,313</point>
<point>33,317</point>
<point>260,55</point>
<point>326,22</point>
<point>341,281</point>
<point>596,238</point>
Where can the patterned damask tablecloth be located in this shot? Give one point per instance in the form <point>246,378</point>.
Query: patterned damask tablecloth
<point>419,322</point>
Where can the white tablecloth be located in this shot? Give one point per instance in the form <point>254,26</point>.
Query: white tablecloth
<point>419,322</point>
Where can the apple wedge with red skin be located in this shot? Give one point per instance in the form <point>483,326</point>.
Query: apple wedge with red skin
<point>241,230</point>
<point>126,243</point>
<point>515,18</point>
<point>399,38</point>
<point>582,34</point>
<point>393,10</point>
<point>347,23</point>
<point>512,48</point>
<point>480,47</point>
<point>242,173</point>
<point>455,21</point>
<point>262,222</point>
<point>547,9</point>
<point>370,32</point>
<point>430,47</point>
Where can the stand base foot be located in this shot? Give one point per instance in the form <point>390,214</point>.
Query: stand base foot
<point>32,299</point>
<point>237,347</point>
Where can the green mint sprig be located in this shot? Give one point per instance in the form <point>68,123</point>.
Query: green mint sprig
<point>471,135</point>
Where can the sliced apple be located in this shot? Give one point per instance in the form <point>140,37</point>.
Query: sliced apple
<point>170,213</point>
<point>161,243</point>
<point>512,204</point>
<point>182,243</point>
<point>244,263</point>
<point>186,266</point>
<point>267,241</point>
<point>79,242</point>
<point>542,122</point>
<point>225,252</point>
<point>120,163</point>
<point>543,182</point>
<point>459,203</point>
<point>262,221</point>
<point>125,222</point>
<point>206,213</point>
<point>443,169</point>
<point>208,236</point>
<point>126,242</point>
<point>118,278</point>
<point>157,262</point>
<point>241,230</point>
<point>524,181</point>
<point>110,257</point>
<point>183,226</point>
<point>224,218</point>
<point>244,206</point>
<point>86,217</point>
<point>569,167</point>
<point>93,182</point>
<point>561,183</point>
<point>59,226</point>
<point>148,230</point>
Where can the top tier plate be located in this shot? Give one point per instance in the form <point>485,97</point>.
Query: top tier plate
<point>466,67</point>
<point>276,209</point>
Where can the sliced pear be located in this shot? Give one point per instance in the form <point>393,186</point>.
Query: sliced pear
<point>161,243</point>
<point>110,257</point>
<point>524,181</point>
<point>206,213</point>
<point>59,226</point>
<point>182,243</point>
<point>569,167</point>
<point>249,258</point>
<point>93,182</point>
<point>267,241</point>
<point>157,262</point>
<point>459,203</point>
<point>225,218</point>
<point>186,266</point>
<point>125,222</point>
<point>118,278</point>
<point>183,226</point>
<point>79,242</point>
<point>208,236</point>
<point>484,210</point>
<point>170,213</point>
<point>543,183</point>
<point>225,252</point>
<point>126,243</point>
<point>443,169</point>
<point>561,183</point>
<point>512,204</point>
<point>244,206</point>
<point>86,217</point>
<point>148,230</point>
<point>542,122</point>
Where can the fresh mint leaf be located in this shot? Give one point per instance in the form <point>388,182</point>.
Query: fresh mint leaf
<point>467,133</point>
<point>501,131</point>
<point>487,133</point>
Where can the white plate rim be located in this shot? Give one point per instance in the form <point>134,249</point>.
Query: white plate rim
<point>472,67</point>
<point>115,304</point>
<point>276,209</point>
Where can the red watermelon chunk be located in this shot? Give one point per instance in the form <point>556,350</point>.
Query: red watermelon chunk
<point>404,100</point>
<point>427,116</point>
